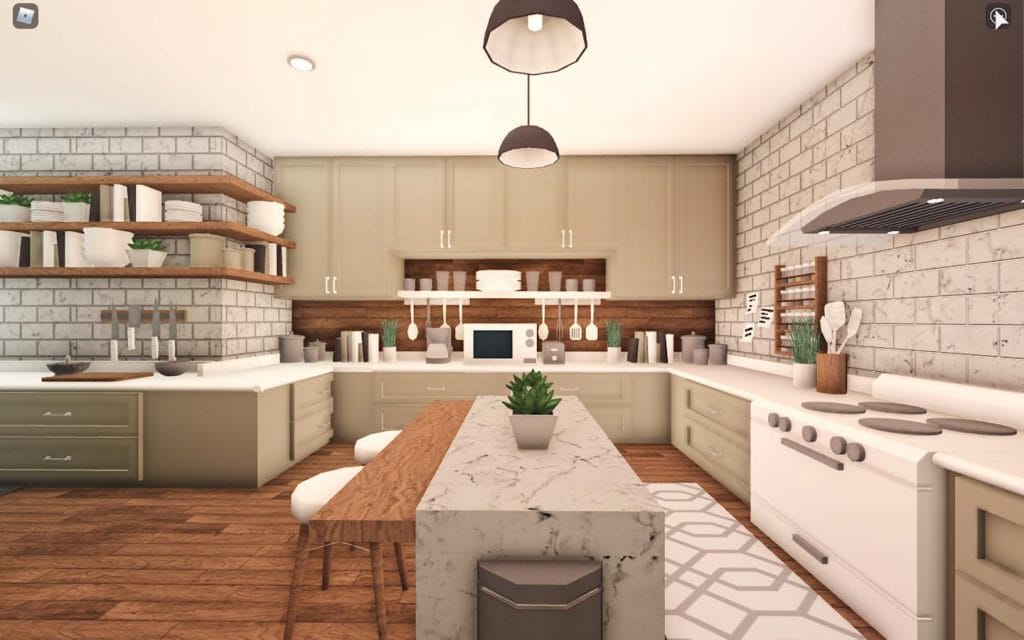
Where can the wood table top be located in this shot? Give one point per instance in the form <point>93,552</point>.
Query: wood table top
<point>379,504</point>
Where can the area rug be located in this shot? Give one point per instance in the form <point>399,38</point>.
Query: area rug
<point>722,583</point>
<point>8,488</point>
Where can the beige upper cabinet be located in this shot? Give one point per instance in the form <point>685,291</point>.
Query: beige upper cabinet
<point>420,205</point>
<point>476,204</point>
<point>307,183</point>
<point>535,205</point>
<point>704,227</point>
<point>363,225</point>
<point>644,254</point>
<point>593,191</point>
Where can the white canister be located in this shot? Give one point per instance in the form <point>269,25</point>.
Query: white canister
<point>373,346</point>
<point>670,347</point>
<point>652,347</point>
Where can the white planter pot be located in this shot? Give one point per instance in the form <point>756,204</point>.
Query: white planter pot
<point>15,213</point>
<point>389,354</point>
<point>805,376</point>
<point>76,211</point>
<point>614,353</point>
<point>533,432</point>
<point>146,257</point>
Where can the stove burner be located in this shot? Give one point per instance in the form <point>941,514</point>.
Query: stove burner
<point>973,426</point>
<point>908,427</point>
<point>833,407</point>
<point>893,407</point>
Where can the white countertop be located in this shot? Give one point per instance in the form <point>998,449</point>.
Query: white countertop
<point>1003,469</point>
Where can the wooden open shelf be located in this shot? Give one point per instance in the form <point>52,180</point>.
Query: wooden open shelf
<point>137,272</point>
<point>227,185</point>
<point>231,230</point>
<point>817,278</point>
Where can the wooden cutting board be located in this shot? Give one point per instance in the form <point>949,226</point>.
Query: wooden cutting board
<point>99,376</point>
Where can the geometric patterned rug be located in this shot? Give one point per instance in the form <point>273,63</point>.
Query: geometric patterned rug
<point>722,583</point>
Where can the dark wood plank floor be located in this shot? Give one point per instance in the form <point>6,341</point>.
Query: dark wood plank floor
<point>180,564</point>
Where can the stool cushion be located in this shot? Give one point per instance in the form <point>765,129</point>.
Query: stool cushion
<point>369,446</point>
<point>313,493</point>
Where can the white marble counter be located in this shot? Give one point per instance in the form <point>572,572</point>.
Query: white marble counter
<point>1003,469</point>
<point>578,499</point>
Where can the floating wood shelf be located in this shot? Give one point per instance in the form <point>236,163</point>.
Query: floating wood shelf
<point>813,275</point>
<point>231,230</point>
<point>564,296</point>
<point>138,272</point>
<point>226,185</point>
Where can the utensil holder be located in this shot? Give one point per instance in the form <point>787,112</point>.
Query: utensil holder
<point>832,373</point>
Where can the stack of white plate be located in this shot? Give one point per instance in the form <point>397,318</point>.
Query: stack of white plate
<point>43,211</point>
<point>268,217</point>
<point>106,247</point>
<point>498,280</point>
<point>183,211</point>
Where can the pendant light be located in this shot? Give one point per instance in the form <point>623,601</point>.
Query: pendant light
<point>528,146</point>
<point>535,36</point>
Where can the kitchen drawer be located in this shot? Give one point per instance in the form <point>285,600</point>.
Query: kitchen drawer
<point>310,433</point>
<point>417,387</point>
<point>69,413</point>
<point>317,408</point>
<point>729,411</point>
<point>593,388</point>
<point>69,459</point>
<point>312,391</point>
<point>990,536</point>
<point>387,417</point>
<point>717,454</point>
<point>983,615</point>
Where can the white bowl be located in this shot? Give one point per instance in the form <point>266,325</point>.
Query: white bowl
<point>265,207</point>
<point>10,248</point>
<point>15,213</point>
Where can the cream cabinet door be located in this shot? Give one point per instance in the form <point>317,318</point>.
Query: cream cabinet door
<point>476,204</point>
<point>535,205</point>
<point>705,240</point>
<point>644,258</point>
<point>420,201</point>
<point>363,228</point>
<point>593,202</point>
<point>306,182</point>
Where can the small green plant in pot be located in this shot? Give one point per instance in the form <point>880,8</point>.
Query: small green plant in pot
<point>389,339</point>
<point>15,208</point>
<point>147,252</point>
<point>804,339</point>
<point>76,206</point>
<point>613,335</point>
<point>532,403</point>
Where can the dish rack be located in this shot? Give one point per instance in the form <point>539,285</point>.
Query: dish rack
<point>800,294</point>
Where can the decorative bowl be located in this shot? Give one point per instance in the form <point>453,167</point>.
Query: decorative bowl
<point>64,368</point>
<point>175,368</point>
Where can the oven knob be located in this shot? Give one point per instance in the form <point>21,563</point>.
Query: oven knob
<point>529,333</point>
<point>856,452</point>
<point>838,445</point>
<point>529,342</point>
<point>785,424</point>
<point>773,420</point>
<point>809,433</point>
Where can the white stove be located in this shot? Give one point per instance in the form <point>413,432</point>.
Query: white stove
<point>863,509</point>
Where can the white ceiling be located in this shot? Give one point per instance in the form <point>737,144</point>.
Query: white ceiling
<point>410,76</point>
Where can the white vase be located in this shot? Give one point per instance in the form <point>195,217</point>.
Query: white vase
<point>76,211</point>
<point>614,353</point>
<point>146,257</point>
<point>390,354</point>
<point>533,431</point>
<point>805,376</point>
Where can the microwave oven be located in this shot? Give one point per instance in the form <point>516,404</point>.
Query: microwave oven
<point>514,343</point>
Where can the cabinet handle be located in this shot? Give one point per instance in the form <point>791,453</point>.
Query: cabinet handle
<point>449,238</point>
<point>568,389</point>
<point>334,285</point>
<point>442,238</point>
<point>53,459</point>
<point>570,238</point>
<point>54,414</point>
<point>715,411</point>
<point>673,284</point>
<point>680,284</point>
<point>327,290</point>
<point>325,392</point>
<point>325,426</point>
<point>437,389</point>
<point>563,238</point>
<point>715,453</point>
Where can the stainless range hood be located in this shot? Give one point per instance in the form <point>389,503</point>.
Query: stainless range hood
<point>949,119</point>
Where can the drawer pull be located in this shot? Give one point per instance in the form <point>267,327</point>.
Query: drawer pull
<point>817,456</point>
<point>56,414</point>
<point>437,389</point>
<point>715,453</point>
<point>325,426</point>
<point>715,411</point>
<point>568,389</point>
<point>325,392</point>
<point>52,459</point>
<point>814,551</point>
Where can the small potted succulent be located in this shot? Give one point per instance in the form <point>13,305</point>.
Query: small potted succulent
<point>147,252</point>
<point>15,208</point>
<point>389,338</point>
<point>533,404</point>
<point>804,339</point>
<point>76,207</point>
<point>613,335</point>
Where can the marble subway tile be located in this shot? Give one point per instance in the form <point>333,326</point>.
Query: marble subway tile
<point>941,366</point>
<point>1002,308</point>
<point>972,340</point>
<point>946,310</point>
<point>975,278</point>
<point>942,253</point>
<point>1011,341</point>
<point>916,337</point>
<point>1011,275</point>
<point>1002,244</point>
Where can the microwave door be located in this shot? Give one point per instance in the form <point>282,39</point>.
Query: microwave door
<point>493,344</point>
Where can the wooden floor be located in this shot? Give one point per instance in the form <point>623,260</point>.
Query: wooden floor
<point>140,564</point>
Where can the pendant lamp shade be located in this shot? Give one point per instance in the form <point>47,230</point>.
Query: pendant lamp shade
<point>551,42</point>
<point>528,147</point>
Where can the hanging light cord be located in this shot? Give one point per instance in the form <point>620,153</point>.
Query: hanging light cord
<point>527,99</point>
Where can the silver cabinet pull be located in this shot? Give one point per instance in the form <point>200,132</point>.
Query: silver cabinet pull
<point>570,238</point>
<point>327,280</point>
<point>55,414</point>
<point>563,238</point>
<point>437,389</point>
<point>334,285</point>
<point>680,284</point>
<point>568,389</point>
<point>53,459</point>
<point>442,238</point>
<point>673,284</point>
<point>715,453</point>
<point>815,552</point>
<point>715,411</point>
<point>817,456</point>
<point>449,238</point>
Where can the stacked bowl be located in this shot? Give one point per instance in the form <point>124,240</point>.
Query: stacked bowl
<point>44,211</point>
<point>267,217</point>
<point>106,247</point>
<point>498,280</point>
<point>183,211</point>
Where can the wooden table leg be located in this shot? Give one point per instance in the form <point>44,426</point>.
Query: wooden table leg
<point>377,562</point>
<point>325,580</point>
<point>400,561</point>
<point>301,554</point>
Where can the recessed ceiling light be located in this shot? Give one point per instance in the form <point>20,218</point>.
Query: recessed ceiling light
<point>824,233</point>
<point>893,233</point>
<point>535,22</point>
<point>936,201</point>
<point>301,63</point>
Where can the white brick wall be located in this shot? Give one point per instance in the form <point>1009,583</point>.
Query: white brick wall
<point>946,303</point>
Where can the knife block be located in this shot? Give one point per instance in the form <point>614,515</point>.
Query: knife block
<point>832,373</point>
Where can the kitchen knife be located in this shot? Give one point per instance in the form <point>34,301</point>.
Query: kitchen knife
<point>154,341</point>
<point>115,331</point>
<point>172,335</point>
<point>134,322</point>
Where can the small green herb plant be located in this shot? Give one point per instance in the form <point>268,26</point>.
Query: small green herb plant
<point>613,333</point>
<point>77,197</point>
<point>805,339</point>
<point>16,198</point>
<point>531,395</point>
<point>389,332</point>
<point>153,244</point>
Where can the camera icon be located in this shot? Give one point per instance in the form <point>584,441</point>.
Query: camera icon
<point>26,15</point>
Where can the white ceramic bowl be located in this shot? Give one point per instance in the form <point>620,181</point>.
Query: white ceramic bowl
<point>10,248</point>
<point>268,217</point>
<point>106,247</point>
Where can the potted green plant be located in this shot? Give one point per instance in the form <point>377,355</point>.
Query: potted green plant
<point>389,340</point>
<point>804,339</point>
<point>613,335</point>
<point>146,252</point>
<point>76,207</point>
<point>15,208</point>
<point>533,404</point>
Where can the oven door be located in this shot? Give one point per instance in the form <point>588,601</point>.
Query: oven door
<point>490,345</point>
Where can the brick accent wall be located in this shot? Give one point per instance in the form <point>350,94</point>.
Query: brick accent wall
<point>947,303</point>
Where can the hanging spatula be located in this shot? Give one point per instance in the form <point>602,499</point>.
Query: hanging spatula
<point>542,330</point>
<point>591,328</point>
<point>458,328</point>
<point>575,330</point>
<point>134,322</point>
<point>413,332</point>
<point>852,328</point>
